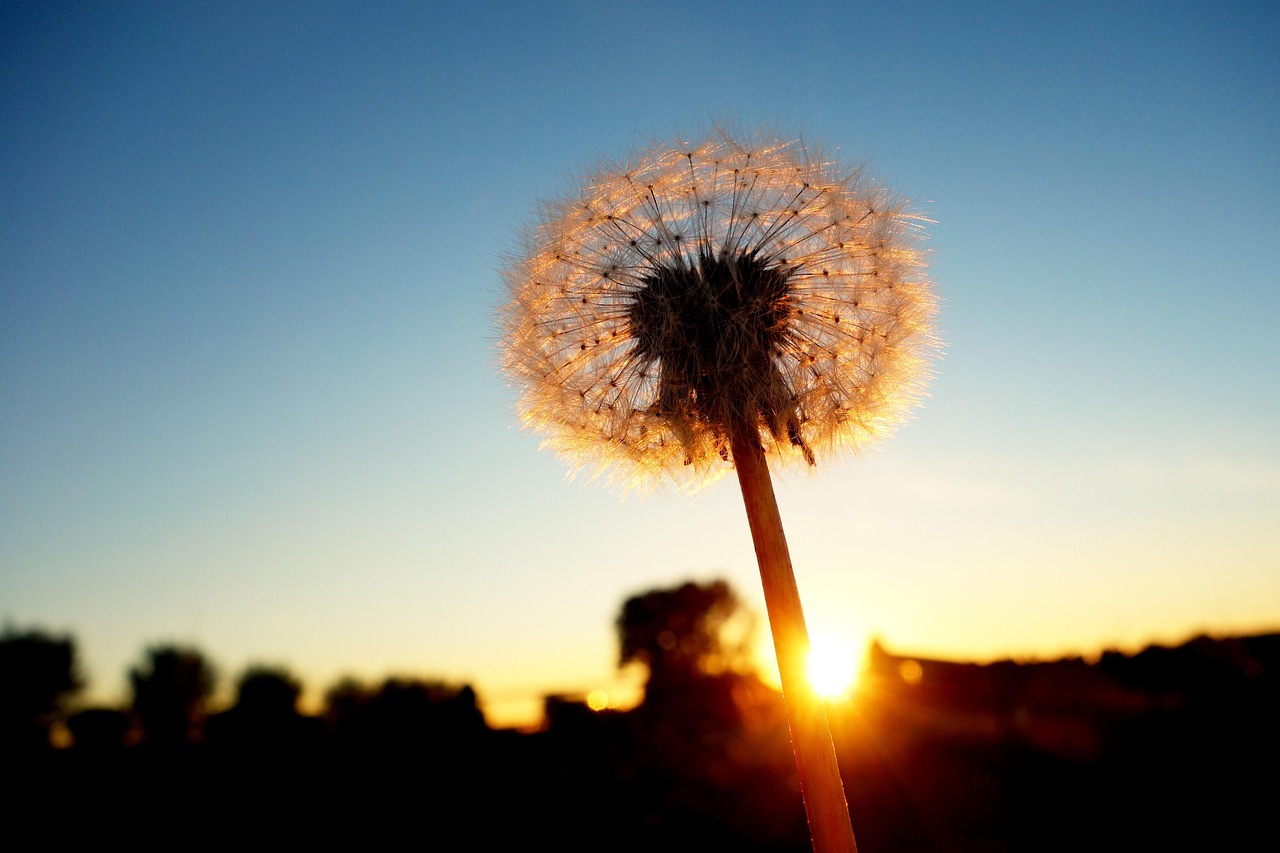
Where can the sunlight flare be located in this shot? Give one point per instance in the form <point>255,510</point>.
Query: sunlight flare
<point>833,665</point>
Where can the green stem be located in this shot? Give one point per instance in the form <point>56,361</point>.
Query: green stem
<point>820,784</point>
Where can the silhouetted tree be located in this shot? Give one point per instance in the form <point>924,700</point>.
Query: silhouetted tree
<point>683,632</point>
<point>171,690</point>
<point>712,758</point>
<point>37,675</point>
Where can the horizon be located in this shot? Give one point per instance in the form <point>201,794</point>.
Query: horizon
<point>525,710</point>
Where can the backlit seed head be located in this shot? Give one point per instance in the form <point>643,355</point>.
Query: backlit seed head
<point>711,285</point>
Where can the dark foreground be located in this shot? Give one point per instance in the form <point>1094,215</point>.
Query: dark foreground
<point>1170,749</point>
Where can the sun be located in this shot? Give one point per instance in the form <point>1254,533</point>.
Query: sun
<point>833,667</point>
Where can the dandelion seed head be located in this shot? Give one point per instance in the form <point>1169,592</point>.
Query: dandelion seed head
<point>705,287</point>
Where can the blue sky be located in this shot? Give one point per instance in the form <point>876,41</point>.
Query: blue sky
<point>249,260</point>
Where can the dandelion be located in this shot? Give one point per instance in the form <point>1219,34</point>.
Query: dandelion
<point>714,284</point>
<point>711,305</point>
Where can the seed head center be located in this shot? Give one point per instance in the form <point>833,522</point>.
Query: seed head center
<point>713,324</point>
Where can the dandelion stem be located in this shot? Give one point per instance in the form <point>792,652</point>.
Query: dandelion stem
<point>820,784</point>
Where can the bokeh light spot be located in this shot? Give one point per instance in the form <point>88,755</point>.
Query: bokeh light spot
<point>911,672</point>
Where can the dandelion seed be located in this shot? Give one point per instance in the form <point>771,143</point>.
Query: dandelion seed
<point>759,302</point>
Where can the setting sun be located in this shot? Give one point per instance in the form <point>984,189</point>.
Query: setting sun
<point>833,667</point>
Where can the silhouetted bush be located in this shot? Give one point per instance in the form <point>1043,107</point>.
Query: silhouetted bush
<point>99,730</point>
<point>404,716</point>
<point>171,691</point>
<point>37,675</point>
<point>265,720</point>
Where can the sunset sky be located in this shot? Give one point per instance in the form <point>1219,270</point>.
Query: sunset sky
<point>249,266</point>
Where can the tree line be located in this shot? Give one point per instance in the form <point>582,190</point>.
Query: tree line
<point>171,691</point>
<point>680,635</point>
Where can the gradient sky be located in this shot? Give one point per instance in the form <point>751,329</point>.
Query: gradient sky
<point>249,261</point>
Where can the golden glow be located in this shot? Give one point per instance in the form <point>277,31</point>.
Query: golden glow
<point>597,700</point>
<point>833,665</point>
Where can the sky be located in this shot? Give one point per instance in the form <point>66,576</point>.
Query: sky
<point>250,261</point>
